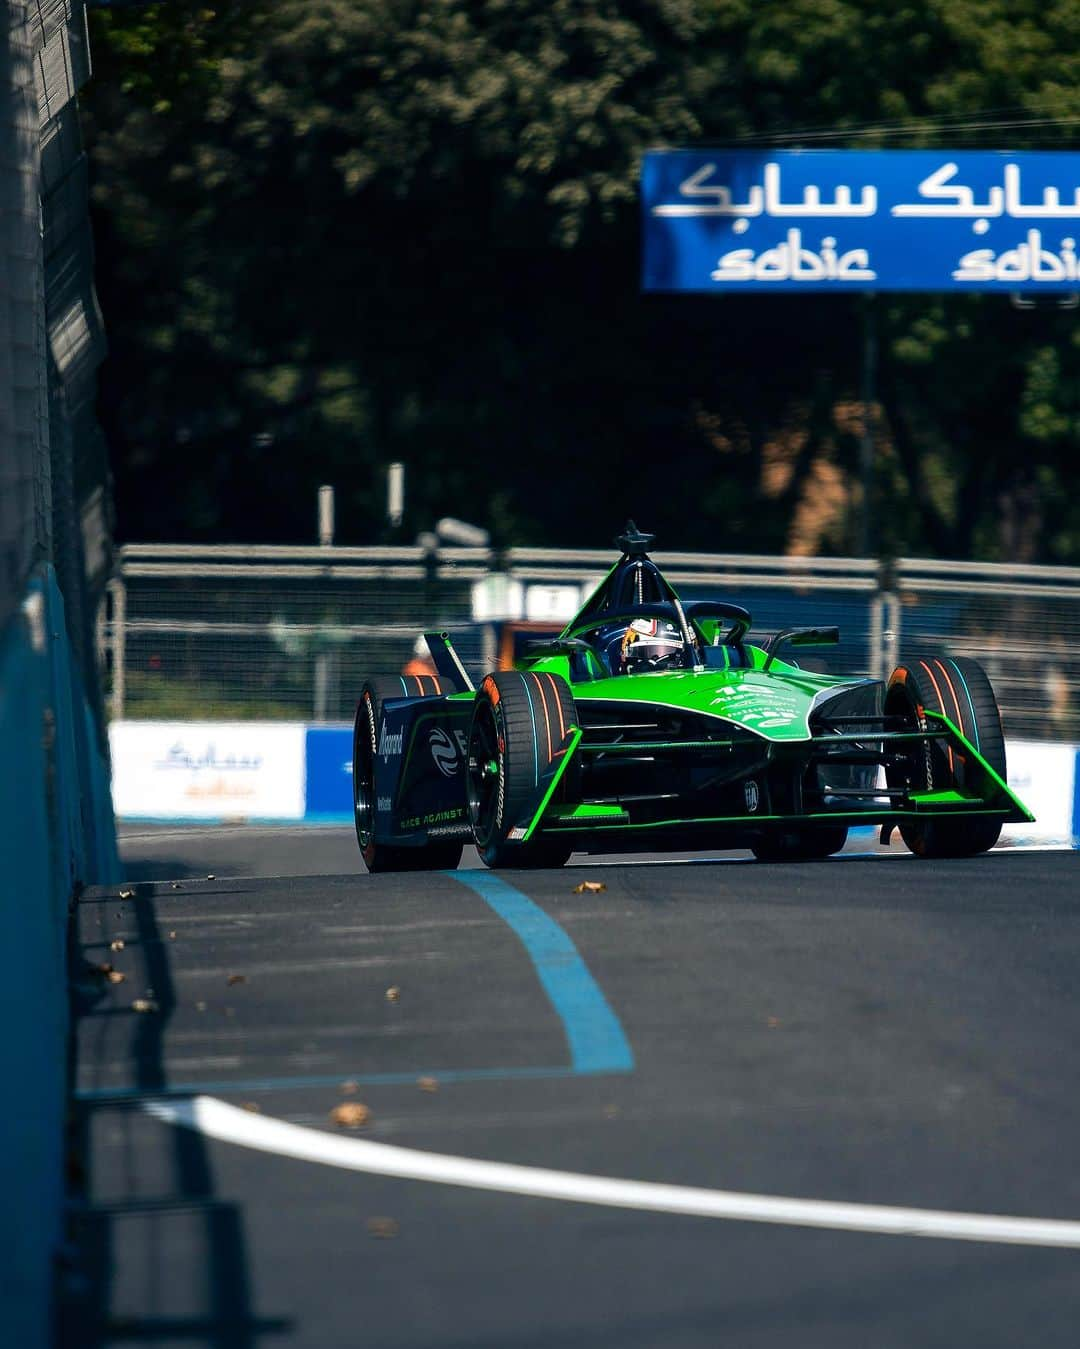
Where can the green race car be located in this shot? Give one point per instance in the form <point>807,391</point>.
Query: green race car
<point>649,724</point>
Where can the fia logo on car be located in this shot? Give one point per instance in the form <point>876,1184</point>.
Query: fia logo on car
<point>444,752</point>
<point>752,795</point>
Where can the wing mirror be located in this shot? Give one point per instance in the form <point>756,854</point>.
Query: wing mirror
<point>799,637</point>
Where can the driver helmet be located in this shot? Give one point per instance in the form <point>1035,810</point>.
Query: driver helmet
<point>647,644</point>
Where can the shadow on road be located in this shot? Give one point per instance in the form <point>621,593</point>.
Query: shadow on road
<point>156,1257</point>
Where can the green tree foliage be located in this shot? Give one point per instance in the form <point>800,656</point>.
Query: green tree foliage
<point>335,233</point>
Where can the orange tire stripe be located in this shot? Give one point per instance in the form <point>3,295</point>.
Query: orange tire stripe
<point>941,708</point>
<point>952,690</point>
<point>558,706</point>
<point>547,718</point>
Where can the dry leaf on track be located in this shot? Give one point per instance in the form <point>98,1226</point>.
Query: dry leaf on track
<point>106,971</point>
<point>350,1115</point>
<point>252,1107</point>
<point>382,1228</point>
<point>430,1084</point>
<point>589,888</point>
<point>236,979</point>
<point>127,894</point>
<point>144,1005</point>
<point>393,993</point>
<point>117,945</point>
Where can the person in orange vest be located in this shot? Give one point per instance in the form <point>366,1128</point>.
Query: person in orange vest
<point>420,662</point>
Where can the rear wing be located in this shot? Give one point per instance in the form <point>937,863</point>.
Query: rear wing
<point>448,662</point>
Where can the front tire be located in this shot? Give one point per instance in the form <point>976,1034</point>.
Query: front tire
<point>383,856</point>
<point>519,721</point>
<point>958,689</point>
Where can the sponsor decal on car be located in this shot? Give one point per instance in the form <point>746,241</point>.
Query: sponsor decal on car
<point>752,796</point>
<point>445,752</point>
<point>390,743</point>
<point>757,707</point>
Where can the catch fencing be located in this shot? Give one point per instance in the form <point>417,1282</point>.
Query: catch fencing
<point>234,633</point>
<point>56,822</point>
<point>54,483</point>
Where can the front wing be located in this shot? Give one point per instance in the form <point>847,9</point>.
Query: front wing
<point>769,790</point>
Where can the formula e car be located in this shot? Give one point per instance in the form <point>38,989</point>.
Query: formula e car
<point>650,724</point>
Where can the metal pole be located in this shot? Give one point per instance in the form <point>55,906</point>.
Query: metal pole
<point>118,591</point>
<point>322,685</point>
<point>877,627</point>
<point>326,516</point>
<point>865,541</point>
<point>395,493</point>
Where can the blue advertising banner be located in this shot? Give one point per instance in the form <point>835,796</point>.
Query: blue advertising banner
<point>329,773</point>
<point>817,220</point>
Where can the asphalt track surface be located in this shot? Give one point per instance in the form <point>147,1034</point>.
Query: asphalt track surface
<point>872,1029</point>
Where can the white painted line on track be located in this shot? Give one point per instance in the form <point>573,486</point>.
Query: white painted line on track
<point>229,1124</point>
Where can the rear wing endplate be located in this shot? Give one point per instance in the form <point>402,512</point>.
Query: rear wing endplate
<point>448,662</point>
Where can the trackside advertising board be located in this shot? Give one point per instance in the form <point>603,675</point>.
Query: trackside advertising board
<point>841,220</point>
<point>208,771</point>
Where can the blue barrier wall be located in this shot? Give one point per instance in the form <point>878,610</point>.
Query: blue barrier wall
<point>1076,803</point>
<point>56,833</point>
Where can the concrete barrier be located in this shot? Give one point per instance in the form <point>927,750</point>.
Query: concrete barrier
<point>56,833</point>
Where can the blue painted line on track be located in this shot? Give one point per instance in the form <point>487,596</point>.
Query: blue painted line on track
<point>593,1031</point>
<point>598,1045</point>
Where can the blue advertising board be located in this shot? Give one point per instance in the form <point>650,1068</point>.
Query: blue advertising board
<point>821,220</point>
<point>328,773</point>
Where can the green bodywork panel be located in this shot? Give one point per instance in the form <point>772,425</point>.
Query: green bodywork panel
<point>587,813</point>
<point>775,704</point>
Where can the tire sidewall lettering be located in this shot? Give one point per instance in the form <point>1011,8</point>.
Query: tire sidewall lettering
<point>500,738</point>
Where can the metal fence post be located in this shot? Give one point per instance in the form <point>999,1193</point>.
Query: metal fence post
<point>322,686</point>
<point>118,646</point>
<point>875,645</point>
<point>891,620</point>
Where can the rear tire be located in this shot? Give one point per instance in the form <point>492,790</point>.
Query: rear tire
<point>805,843</point>
<point>958,689</point>
<point>384,856</point>
<point>519,720</point>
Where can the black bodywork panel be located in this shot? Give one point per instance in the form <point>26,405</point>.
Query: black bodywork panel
<point>420,770</point>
